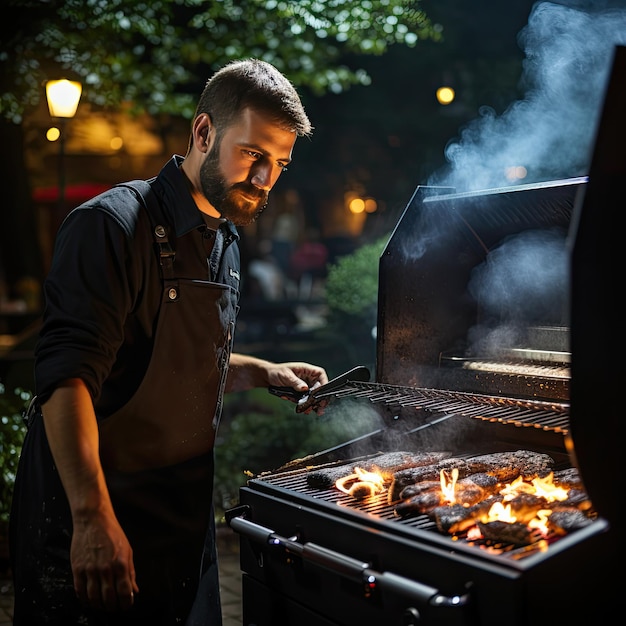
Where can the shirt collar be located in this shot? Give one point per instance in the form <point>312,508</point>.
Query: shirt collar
<point>181,210</point>
<point>179,205</point>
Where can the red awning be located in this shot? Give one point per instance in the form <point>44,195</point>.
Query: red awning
<point>74,194</point>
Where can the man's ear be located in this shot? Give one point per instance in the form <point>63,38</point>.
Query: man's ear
<point>202,132</point>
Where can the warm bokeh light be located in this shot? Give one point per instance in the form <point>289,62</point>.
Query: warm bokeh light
<point>116,143</point>
<point>517,172</point>
<point>63,97</point>
<point>357,205</point>
<point>53,133</point>
<point>445,95</point>
<point>370,205</point>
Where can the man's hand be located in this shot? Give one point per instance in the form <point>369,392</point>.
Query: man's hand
<point>247,372</point>
<point>102,563</point>
<point>101,557</point>
<point>302,377</point>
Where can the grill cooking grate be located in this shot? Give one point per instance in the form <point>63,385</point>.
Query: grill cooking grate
<point>544,415</point>
<point>378,508</point>
<point>377,505</point>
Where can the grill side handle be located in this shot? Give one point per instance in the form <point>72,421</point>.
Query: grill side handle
<point>348,567</point>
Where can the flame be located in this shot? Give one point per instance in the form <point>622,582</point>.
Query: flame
<point>448,485</point>
<point>540,521</point>
<point>543,487</point>
<point>499,513</point>
<point>361,484</point>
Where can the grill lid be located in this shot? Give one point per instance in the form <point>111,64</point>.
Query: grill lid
<point>597,326</point>
<point>473,286</point>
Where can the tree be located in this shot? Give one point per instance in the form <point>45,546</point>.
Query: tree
<point>156,54</point>
<point>154,57</point>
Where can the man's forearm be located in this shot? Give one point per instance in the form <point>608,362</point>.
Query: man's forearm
<point>246,372</point>
<point>72,432</point>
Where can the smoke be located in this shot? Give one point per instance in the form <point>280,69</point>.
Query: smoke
<point>549,134</point>
<point>522,281</point>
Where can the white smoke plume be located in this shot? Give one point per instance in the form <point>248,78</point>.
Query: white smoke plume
<point>548,135</point>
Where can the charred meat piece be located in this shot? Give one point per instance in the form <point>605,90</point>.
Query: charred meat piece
<point>420,503</point>
<point>418,488</point>
<point>516,534</point>
<point>419,498</point>
<point>579,499</point>
<point>487,482</point>
<point>326,477</point>
<point>568,479</point>
<point>391,462</point>
<point>414,475</point>
<point>565,519</point>
<point>456,518</point>
<point>386,464</point>
<point>526,505</point>
<point>507,466</point>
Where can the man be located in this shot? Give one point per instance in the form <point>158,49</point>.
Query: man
<point>112,501</point>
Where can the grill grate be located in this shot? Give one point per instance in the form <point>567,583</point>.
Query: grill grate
<point>553,416</point>
<point>378,508</point>
<point>377,505</point>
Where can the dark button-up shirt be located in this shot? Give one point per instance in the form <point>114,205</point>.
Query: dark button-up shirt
<point>103,290</point>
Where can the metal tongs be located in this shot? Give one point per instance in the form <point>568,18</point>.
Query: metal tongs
<point>309,399</point>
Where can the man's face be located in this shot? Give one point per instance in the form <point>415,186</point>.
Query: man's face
<point>244,164</point>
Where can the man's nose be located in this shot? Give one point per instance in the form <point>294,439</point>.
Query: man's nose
<point>265,175</point>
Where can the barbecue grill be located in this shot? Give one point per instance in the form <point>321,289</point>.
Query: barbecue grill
<point>492,337</point>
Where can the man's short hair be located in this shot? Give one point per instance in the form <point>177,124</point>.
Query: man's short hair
<point>255,84</point>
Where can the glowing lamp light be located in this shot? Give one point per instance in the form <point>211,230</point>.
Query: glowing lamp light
<point>357,205</point>
<point>53,133</point>
<point>445,95</point>
<point>63,97</point>
<point>370,205</point>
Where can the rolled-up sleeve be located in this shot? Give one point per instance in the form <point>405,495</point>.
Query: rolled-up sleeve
<point>92,287</point>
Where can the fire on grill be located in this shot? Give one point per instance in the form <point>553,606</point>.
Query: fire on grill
<point>514,498</point>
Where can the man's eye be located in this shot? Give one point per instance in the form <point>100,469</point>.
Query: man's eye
<point>283,168</point>
<point>253,155</point>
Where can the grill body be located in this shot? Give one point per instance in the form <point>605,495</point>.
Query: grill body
<point>306,563</point>
<point>472,359</point>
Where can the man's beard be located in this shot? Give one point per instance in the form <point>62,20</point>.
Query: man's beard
<point>241,203</point>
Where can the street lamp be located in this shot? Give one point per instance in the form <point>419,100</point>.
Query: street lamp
<point>63,96</point>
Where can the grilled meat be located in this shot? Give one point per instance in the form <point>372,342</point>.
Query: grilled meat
<point>386,464</point>
<point>567,518</point>
<point>414,475</point>
<point>456,518</point>
<point>419,498</point>
<point>507,466</point>
<point>516,534</point>
<point>503,466</point>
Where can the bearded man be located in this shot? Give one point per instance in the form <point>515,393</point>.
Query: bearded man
<point>112,518</point>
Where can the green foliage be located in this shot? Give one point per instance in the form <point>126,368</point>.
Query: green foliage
<point>352,286</point>
<point>12,431</point>
<point>158,54</point>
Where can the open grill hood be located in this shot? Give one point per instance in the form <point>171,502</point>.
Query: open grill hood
<point>473,292</point>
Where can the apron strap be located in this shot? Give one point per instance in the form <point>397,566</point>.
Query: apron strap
<point>146,195</point>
